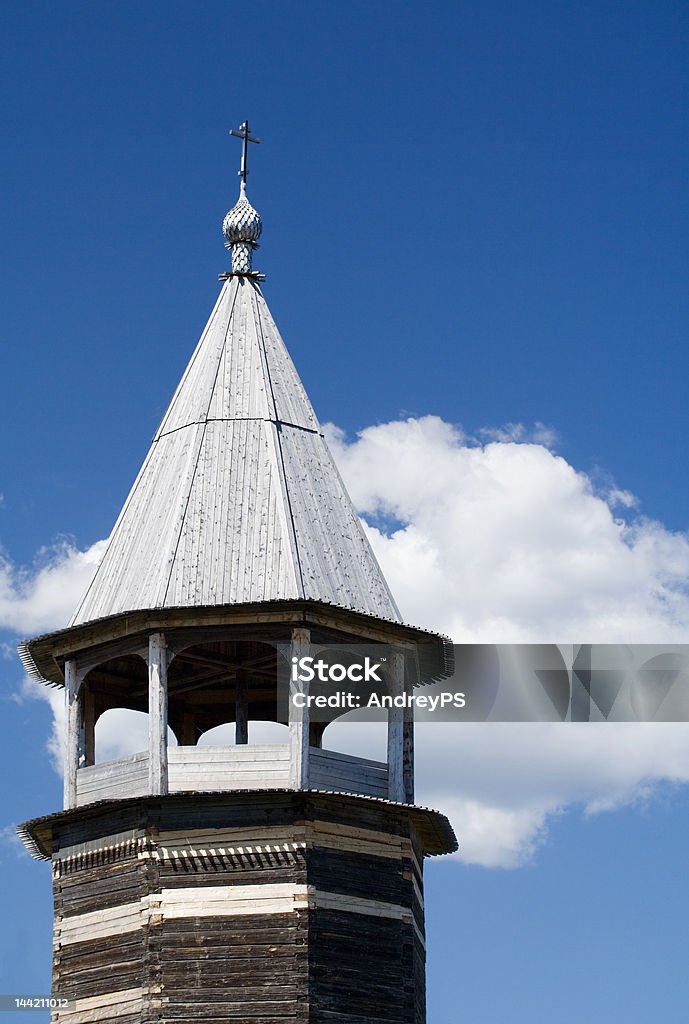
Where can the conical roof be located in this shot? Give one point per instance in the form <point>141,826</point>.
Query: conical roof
<point>238,500</point>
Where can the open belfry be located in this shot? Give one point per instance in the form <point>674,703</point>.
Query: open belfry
<point>257,882</point>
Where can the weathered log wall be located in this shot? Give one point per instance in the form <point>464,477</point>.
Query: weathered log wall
<point>291,907</point>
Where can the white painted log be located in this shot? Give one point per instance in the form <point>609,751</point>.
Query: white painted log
<point>157,715</point>
<point>205,783</point>
<point>229,755</point>
<point>106,1007</point>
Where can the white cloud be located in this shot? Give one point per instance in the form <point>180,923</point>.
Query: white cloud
<point>507,542</point>
<point>10,843</point>
<point>502,542</point>
<point>539,433</point>
<point>502,783</point>
<point>44,597</point>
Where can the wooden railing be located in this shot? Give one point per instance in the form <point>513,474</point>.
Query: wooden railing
<point>113,780</point>
<point>224,769</point>
<point>227,768</point>
<point>328,769</point>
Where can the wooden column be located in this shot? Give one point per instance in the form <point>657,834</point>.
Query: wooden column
<point>89,725</point>
<point>241,722</point>
<point>299,718</point>
<point>73,737</point>
<point>408,740</point>
<point>157,715</point>
<point>187,734</point>
<point>396,729</point>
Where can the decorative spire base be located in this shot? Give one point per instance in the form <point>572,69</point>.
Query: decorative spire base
<point>241,257</point>
<point>253,274</point>
<point>242,226</point>
<point>242,229</point>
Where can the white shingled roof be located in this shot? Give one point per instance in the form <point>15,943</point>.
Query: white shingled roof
<point>238,499</point>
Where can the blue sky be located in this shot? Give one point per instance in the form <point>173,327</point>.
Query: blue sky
<point>475,215</point>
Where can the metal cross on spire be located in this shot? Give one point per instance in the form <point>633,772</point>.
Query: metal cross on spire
<point>243,134</point>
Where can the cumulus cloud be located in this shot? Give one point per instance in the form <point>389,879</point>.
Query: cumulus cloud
<point>501,784</point>
<point>494,539</point>
<point>507,542</point>
<point>43,597</point>
<point>10,843</point>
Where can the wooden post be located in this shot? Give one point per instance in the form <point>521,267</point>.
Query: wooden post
<point>316,730</point>
<point>187,735</point>
<point>299,718</point>
<point>73,737</point>
<point>241,721</point>
<point>408,740</point>
<point>157,715</point>
<point>89,725</point>
<point>396,729</point>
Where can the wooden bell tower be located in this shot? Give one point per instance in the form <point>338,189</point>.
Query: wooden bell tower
<point>259,883</point>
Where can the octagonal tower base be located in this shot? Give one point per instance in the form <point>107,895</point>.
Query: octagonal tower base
<point>260,907</point>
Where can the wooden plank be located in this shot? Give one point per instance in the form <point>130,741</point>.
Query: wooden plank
<point>238,836</point>
<point>228,755</point>
<point>352,784</point>
<point>140,774</point>
<point>107,1006</point>
<point>227,783</point>
<point>323,754</point>
<point>114,767</point>
<point>228,771</point>
<point>338,770</point>
<point>109,921</point>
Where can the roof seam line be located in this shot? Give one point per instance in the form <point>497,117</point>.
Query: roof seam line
<point>192,361</point>
<point>288,499</point>
<point>198,454</point>
<point>242,419</point>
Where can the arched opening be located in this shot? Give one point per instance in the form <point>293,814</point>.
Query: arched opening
<point>362,738</point>
<point>121,732</point>
<point>361,732</point>
<point>260,733</point>
<point>114,710</point>
<point>219,686</point>
<point>218,736</point>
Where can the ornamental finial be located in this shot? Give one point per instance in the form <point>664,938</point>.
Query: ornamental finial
<point>243,134</point>
<point>242,226</point>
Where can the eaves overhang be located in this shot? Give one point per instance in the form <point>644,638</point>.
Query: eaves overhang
<point>43,657</point>
<point>432,827</point>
